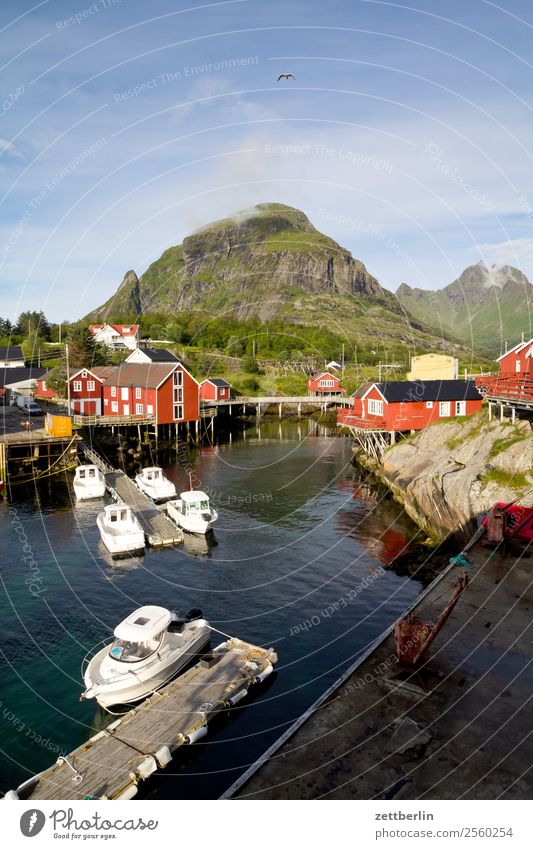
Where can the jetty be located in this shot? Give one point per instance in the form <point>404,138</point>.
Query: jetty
<point>159,530</point>
<point>260,402</point>
<point>112,763</point>
<point>456,725</point>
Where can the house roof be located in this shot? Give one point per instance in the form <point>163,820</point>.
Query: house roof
<point>122,329</point>
<point>11,352</point>
<point>100,372</point>
<point>401,391</point>
<point>515,350</point>
<point>157,355</point>
<point>320,374</point>
<point>149,375</point>
<point>19,374</point>
<point>216,381</point>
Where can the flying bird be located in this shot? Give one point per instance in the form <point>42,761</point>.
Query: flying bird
<point>285,77</point>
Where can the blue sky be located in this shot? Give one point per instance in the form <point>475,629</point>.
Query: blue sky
<point>406,134</point>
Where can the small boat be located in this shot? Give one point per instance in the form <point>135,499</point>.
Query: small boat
<point>516,521</point>
<point>150,647</point>
<point>89,482</point>
<point>192,511</point>
<point>153,483</point>
<point>120,531</point>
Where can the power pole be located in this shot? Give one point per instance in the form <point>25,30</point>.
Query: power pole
<point>60,331</point>
<point>342,372</point>
<point>68,379</point>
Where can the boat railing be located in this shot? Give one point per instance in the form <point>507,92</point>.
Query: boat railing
<point>89,654</point>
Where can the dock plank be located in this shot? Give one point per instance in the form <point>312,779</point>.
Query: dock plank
<point>109,760</point>
<point>159,530</point>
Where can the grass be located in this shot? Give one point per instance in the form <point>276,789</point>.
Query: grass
<point>503,444</point>
<point>518,480</point>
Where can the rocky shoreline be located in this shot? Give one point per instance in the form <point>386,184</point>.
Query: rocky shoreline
<point>448,475</point>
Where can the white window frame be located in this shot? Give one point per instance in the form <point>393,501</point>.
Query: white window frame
<point>138,392</point>
<point>518,366</point>
<point>76,385</point>
<point>429,405</point>
<point>91,385</point>
<point>113,391</point>
<point>139,409</point>
<point>124,393</point>
<point>326,382</point>
<point>149,409</point>
<point>374,407</point>
<point>460,408</point>
<point>178,408</point>
<point>178,378</point>
<point>444,409</point>
<point>114,406</point>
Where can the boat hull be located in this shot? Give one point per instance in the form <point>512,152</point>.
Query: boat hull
<point>84,493</point>
<point>156,493</point>
<point>138,686</point>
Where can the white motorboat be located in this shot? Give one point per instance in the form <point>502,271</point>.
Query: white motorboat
<point>153,483</point>
<point>151,646</point>
<point>89,482</point>
<point>120,531</point>
<point>192,511</point>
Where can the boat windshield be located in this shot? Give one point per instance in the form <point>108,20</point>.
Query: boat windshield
<point>129,652</point>
<point>198,506</point>
<point>92,473</point>
<point>81,473</point>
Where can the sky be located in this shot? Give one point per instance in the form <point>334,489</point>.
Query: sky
<point>405,134</point>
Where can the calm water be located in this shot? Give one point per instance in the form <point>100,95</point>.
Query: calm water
<point>297,531</point>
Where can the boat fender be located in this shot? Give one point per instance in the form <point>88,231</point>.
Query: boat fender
<point>195,735</point>
<point>11,795</point>
<point>268,670</point>
<point>163,756</point>
<point>145,768</point>
<point>238,697</point>
<point>128,793</point>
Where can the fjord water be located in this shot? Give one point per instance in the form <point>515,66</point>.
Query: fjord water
<point>301,543</point>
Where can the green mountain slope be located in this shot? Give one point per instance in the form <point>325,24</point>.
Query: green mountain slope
<point>485,306</point>
<point>270,263</point>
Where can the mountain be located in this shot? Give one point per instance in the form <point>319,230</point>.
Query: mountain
<point>486,306</point>
<point>270,263</point>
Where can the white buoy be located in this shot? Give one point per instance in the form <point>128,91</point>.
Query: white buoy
<point>195,735</point>
<point>237,697</point>
<point>268,670</point>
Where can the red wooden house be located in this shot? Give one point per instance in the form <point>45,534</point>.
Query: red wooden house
<point>514,382</point>
<point>409,404</point>
<point>42,390</point>
<point>86,390</point>
<point>165,391</point>
<point>215,389</point>
<point>325,383</point>
<point>518,361</point>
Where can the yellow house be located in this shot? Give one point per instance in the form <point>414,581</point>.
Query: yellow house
<point>434,367</point>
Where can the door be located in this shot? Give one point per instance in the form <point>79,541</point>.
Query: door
<point>126,409</point>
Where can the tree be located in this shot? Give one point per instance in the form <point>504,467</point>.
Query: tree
<point>83,350</point>
<point>55,380</point>
<point>33,322</point>
<point>251,366</point>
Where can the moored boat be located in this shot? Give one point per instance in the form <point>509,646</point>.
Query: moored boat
<point>120,530</point>
<point>151,646</point>
<point>153,483</point>
<point>192,511</point>
<point>515,521</point>
<point>89,482</point>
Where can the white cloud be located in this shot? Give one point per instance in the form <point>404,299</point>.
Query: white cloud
<point>10,149</point>
<point>513,251</point>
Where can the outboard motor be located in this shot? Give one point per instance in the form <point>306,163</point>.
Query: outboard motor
<point>194,613</point>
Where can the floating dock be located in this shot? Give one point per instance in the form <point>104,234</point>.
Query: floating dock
<point>158,528</point>
<point>115,761</point>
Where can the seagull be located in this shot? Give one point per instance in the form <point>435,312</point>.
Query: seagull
<point>285,77</point>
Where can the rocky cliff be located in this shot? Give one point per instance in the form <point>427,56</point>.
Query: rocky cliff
<point>451,472</point>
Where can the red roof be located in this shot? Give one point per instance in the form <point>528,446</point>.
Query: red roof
<point>122,329</point>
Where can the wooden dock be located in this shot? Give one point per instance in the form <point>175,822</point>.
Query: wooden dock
<point>112,763</point>
<point>158,528</point>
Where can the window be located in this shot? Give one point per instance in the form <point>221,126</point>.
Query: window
<point>178,378</point>
<point>44,385</point>
<point>113,391</point>
<point>76,385</point>
<point>91,386</point>
<point>114,406</point>
<point>375,408</point>
<point>150,409</point>
<point>517,365</point>
<point>326,382</point>
<point>178,411</point>
<point>460,408</point>
<point>84,374</point>
<point>106,402</point>
<point>138,392</point>
<point>178,395</point>
<point>429,405</point>
<point>139,409</point>
<point>444,409</point>
<point>125,393</point>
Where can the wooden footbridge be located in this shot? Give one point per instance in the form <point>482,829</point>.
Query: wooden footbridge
<point>158,528</point>
<point>115,761</point>
<point>261,402</point>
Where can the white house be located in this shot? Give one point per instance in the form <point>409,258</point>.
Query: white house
<point>116,336</point>
<point>11,356</point>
